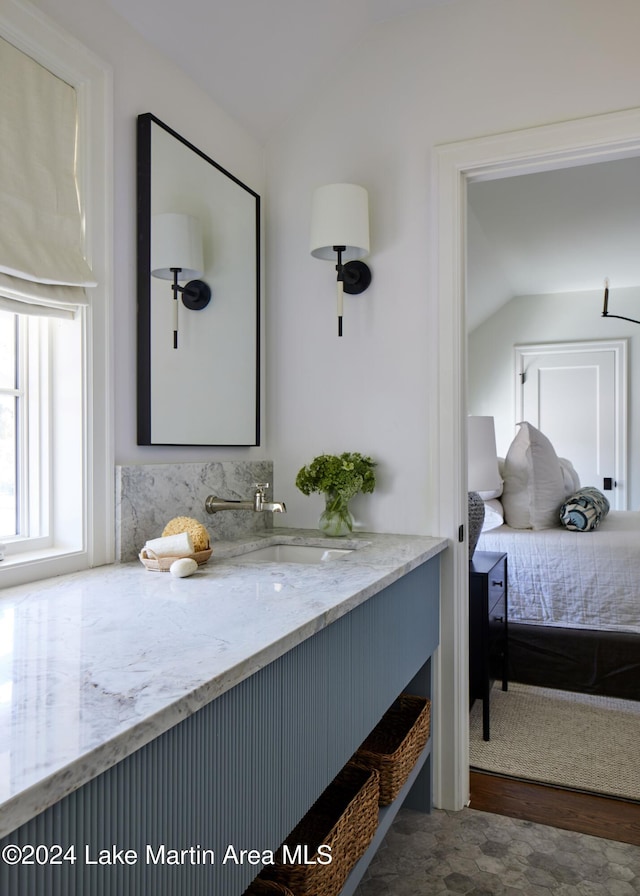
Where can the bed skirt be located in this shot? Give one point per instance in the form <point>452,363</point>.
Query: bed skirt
<point>588,661</point>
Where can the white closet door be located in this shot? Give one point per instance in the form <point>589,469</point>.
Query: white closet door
<point>575,393</point>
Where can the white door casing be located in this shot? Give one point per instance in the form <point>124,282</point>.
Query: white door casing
<point>578,142</point>
<point>576,394</point>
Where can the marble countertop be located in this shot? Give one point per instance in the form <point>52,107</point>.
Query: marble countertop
<point>96,664</point>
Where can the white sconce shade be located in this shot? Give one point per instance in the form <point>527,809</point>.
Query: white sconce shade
<point>176,254</point>
<point>340,217</point>
<point>176,242</point>
<point>484,475</point>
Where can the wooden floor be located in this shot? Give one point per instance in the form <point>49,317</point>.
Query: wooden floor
<point>571,810</point>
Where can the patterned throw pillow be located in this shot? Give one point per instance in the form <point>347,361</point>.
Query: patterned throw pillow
<point>584,510</point>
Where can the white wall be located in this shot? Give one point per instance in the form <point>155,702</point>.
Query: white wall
<point>458,71</point>
<point>462,70</point>
<point>144,81</point>
<point>568,317</point>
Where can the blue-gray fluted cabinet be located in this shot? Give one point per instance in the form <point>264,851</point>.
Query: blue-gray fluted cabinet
<point>243,770</point>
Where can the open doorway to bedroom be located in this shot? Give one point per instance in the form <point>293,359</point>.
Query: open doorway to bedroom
<point>575,393</point>
<point>546,149</point>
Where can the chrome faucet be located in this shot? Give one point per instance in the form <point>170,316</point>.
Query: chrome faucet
<point>258,504</point>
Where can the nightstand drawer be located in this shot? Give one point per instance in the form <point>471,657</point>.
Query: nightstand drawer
<point>497,584</point>
<point>499,606</point>
<point>498,611</point>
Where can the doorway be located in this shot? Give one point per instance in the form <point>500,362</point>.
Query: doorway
<point>579,142</point>
<point>575,393</point>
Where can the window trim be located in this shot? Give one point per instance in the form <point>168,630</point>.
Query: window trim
<point>34,33</point>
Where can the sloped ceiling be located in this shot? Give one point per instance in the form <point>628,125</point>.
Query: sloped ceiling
<point>540,233</point>
<point>552,232</point>
<point>259,59</point>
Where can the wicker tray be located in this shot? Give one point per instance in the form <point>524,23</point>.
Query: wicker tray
<point>343,818</point>
<point>163,564</point>
<point>260,887</point>
<point>395,743</point>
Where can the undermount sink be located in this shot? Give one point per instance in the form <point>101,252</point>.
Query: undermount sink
<point>292,553</point>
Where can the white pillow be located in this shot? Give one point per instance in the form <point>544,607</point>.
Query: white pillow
<point>534,486</point>
<point>571,478</point>
<point>493,493</point>
<point>493,515</point>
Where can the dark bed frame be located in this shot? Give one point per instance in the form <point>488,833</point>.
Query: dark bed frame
<point>590,662</point>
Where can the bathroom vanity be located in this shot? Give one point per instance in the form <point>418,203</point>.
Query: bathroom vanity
<point>164,735</point>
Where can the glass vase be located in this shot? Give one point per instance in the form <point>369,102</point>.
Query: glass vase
<point>336,519</point>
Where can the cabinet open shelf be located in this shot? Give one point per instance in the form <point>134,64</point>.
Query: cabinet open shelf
<point>414,791</point>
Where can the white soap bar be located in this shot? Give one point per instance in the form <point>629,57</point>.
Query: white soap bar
<point>186,566</point>
<point>170,546</point>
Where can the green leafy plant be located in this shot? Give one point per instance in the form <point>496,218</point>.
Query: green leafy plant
<point>342,475</point>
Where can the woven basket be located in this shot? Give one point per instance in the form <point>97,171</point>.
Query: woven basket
<point>395,744</point>
<point>260,887</point>
<point>343,818</point>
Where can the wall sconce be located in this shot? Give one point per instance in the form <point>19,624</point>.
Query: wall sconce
<point>340,226</point>
<point>605,307</point>
<point>176,254</point>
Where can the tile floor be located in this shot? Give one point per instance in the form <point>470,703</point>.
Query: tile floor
<point>481,854</point>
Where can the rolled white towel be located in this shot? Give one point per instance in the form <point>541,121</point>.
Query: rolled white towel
<point>180,545</point>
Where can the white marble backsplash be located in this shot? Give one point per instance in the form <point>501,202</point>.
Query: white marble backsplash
<point>149,495</point>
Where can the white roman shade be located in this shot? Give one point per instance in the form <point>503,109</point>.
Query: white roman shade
<point>42,265</point>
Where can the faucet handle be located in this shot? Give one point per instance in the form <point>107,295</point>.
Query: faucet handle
<point>260,486</point>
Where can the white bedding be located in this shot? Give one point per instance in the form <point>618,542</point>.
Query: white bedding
<point>573,579</point>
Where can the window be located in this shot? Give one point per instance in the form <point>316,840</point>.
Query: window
<point>56,459</point>
<point>9,414</point>
<point>41,434</point>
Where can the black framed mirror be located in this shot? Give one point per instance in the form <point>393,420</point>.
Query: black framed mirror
<point>198,355</point>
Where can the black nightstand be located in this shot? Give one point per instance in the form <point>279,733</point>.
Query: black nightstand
<point>488,628</point>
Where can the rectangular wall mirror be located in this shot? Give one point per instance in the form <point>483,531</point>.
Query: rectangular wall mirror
<point>198,357</point>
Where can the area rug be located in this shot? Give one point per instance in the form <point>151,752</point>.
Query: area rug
<point>578,741</point>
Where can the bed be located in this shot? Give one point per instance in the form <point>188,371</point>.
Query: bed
<point>574,603</point>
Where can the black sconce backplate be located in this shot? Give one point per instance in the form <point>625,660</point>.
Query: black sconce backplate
<point>196,295</point>
<point>356,277</point>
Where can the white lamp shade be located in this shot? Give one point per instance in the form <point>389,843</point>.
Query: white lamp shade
<point>340,217</point>
<point>484,475</point>
<point>176,242</point>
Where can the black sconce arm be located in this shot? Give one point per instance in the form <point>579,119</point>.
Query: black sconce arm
<point>605,309</point>
<point>196,295</point>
